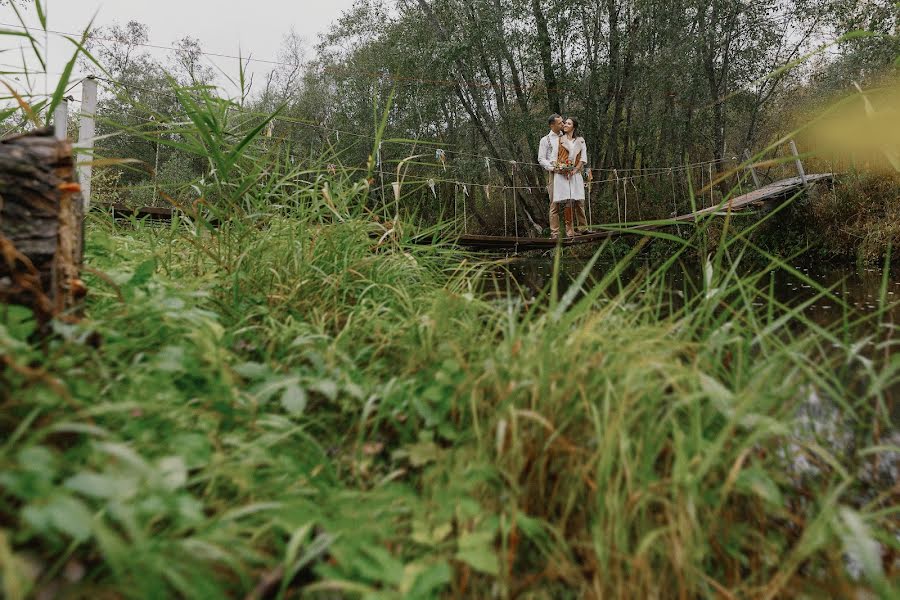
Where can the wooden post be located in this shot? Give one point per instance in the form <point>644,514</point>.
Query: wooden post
<point>86,132</point>
<point>514,199</point>
<point>618,205</point>
<point>456,207</point>
<point>156,175</point>
<point>61,120</point>
<point>799,164</point>
<point>41,216</point>
<point>505,227</point>
<point>702,195</point>
<point>751,168</point>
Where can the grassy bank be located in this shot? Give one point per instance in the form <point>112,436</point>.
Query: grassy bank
<point>287,406</point>
<point>856,221</point>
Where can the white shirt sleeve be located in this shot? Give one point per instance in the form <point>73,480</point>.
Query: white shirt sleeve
<point>544,154</point>
<point>584,154</point>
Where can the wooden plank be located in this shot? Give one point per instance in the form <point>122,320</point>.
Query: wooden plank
<point>122,211</point>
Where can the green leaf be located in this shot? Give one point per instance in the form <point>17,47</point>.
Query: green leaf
<point>124,455</point>
<point>143,273</point>
<point>170,359</point>
<point>19,322</point>
<point>270,388</point>
<point>190,509</point>
<point>173,472</point>
<point>39,460</point>
<point>476,549</point>
<point>24,34</point>
<point>717,392</point>
<point>63,84</point>
<point>36,517</point>
<point>194,448</point>
<point>293,399</point>
<point>8,112</point>
<point>42,14</point>
<point>422,453</point>
<point>425,410</point>
<point>429,582</point>
<point>252,370</point>
<point>239,149</point>
<point>326,387</point>
<point>380,565</point>
<point>93,485</point>
<point>31,38</point>
<point>859,543</point>
<point>756,481</point>
<point>70,516</point>
<point>427,534</point>
<point>297,541</point>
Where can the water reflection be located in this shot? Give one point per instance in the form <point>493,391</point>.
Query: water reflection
<point>859,289</point>
<point>852,311</point>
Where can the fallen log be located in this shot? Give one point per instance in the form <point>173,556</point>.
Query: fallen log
<point>41,226</point>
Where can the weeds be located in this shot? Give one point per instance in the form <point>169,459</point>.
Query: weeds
<point>287,399</point>
<point>298,401</point>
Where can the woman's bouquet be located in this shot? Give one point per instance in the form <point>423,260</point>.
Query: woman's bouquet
<point>566,166</point>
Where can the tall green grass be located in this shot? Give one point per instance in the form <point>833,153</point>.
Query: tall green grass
<point>297,401</point>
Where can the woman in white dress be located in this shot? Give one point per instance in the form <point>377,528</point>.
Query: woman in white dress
<point>568,184</point>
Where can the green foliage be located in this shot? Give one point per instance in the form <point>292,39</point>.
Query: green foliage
<point>283,399</point>
<point>280,394</point>
<point>855,221</point>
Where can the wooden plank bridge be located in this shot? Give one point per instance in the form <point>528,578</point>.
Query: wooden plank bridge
<point>774,191</point>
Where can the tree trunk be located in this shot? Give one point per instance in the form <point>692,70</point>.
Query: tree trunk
<point>41,225</point>
<point>545,49</point>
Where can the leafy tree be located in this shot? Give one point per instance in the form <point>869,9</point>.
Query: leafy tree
<point>653,83</point>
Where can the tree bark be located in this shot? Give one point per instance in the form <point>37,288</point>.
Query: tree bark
<point>41,225</point>
<point>545,48</point>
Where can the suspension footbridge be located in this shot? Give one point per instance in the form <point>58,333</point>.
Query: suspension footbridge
<point>778,190</point>
<point>773,192</point>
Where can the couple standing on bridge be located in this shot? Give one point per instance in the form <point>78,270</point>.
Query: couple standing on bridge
<point>563,154</point>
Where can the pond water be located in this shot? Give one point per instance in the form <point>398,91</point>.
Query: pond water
<point>860,287</point>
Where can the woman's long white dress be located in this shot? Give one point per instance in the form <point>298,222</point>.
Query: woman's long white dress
<point>567,189</point>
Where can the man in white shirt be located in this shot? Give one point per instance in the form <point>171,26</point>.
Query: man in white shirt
<point>547,153</point>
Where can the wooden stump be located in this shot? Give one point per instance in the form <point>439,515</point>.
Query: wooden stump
<point>41,225</point>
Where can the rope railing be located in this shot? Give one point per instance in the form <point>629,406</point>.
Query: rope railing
<point>462,192</point>
<point>508,191</point>
<point>641,171</point>
<point>521,187</point>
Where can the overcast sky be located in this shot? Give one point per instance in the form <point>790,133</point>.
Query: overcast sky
<point>222,26</point>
